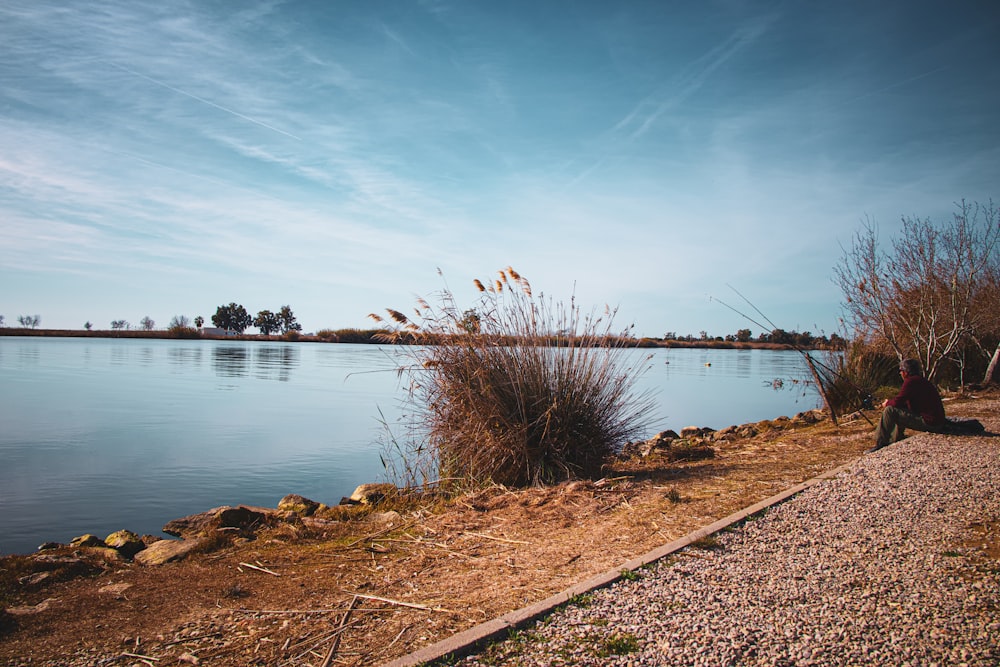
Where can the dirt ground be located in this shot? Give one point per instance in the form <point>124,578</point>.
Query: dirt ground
<point>368,590</point>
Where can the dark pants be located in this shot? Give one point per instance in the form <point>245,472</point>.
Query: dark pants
<point>894,422</point>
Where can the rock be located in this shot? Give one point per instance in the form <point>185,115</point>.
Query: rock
<point>105,553</point>
<point>29,610</point>
<point>245,519</point>
<point>371,494</point>
<point>165,551</point>
<point>242,517</point>
<point>298,504</point>
<point>87,540</point>
<point>810,416</point>
<point>696,432</point>
<point>669,434</point>
<point>115,589</point>
<point>62,567</point>
<point>391,516</point>
<point>34,579</point>
<point>48,546</point>
<point>319,525</point>
<point>126,542</point>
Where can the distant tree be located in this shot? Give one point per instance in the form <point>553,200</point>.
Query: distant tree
<point>1,320</point>
<point>744,335</point>
<point>703,335</point>
<point>147,324</point>
<point>179,322</point>
<point>670,335</point>
<point>118,325</point>
<point>29,321</point>
<point>233,317</point>
<point>88,326</point>
<point>267,322</point>
<point>198,321</point>
<point>287,320</point>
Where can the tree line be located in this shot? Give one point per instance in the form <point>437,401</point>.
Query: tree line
<point>230,317</point>
<point>804,339</point>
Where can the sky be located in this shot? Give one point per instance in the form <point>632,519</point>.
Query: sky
<point>663,158</point>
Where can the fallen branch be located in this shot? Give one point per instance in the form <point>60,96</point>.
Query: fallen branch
<point>336,640</point>
<point>261,569</point>
<point>498,539</point>
<point>399,603</point>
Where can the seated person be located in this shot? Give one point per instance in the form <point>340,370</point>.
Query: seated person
<point>917,406</point>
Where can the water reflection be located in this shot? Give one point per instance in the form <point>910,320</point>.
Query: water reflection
<point>269,362</point>
<point>146,356</point>
<point>275,363</point>
<point>185,356</point>
<point>231,362</point>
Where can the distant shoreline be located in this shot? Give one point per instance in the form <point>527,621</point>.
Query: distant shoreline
<point>358,336</point>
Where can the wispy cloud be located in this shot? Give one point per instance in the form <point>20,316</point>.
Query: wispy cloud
<point>207,102</point>
<point>682,85</point>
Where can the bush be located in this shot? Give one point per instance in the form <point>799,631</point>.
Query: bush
<point>518,391</point>
<point>184,332</point>
<point>855,378</point>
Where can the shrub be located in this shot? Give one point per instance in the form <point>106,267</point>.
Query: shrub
<point>527,392</point>
<point>184,332</point>
<point>852,380</point>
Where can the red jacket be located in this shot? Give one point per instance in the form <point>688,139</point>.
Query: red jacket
<point>920,397</point>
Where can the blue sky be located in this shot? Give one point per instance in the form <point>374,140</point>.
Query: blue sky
<point>163,158</point>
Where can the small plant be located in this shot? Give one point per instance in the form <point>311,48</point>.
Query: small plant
<point>707,543</point>
<point>630,575</point>
<point>236,592</point>
<point>519,391</point>
<point>673,495</point>
<point>620,643</point>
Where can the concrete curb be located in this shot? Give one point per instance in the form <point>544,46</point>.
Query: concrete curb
<point>475,638</point>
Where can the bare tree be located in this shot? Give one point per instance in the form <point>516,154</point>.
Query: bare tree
<point>29,321</point>
<point>179,322</point>
<point>147,324</point>
<point>930,293</point>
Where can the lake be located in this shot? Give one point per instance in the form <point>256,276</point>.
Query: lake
<point>100,434</point>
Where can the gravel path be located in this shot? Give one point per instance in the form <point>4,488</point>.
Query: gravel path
<point>885,564</point>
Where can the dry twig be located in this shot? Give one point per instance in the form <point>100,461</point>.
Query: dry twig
<point>336,640</point>
<point>399,603</point>
<point>498,539</point>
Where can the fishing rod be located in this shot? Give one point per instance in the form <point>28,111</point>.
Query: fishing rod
<point>866,397</point>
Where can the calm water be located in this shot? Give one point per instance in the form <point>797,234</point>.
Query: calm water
<point>103,434</point>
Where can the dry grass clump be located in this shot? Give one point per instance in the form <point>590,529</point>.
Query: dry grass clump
<point>854,379</point>
<point>520,390</point>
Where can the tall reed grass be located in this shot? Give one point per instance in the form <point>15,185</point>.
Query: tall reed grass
<point>520,390</point>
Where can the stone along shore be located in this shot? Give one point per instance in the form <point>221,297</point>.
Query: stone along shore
<point>892,562</point>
